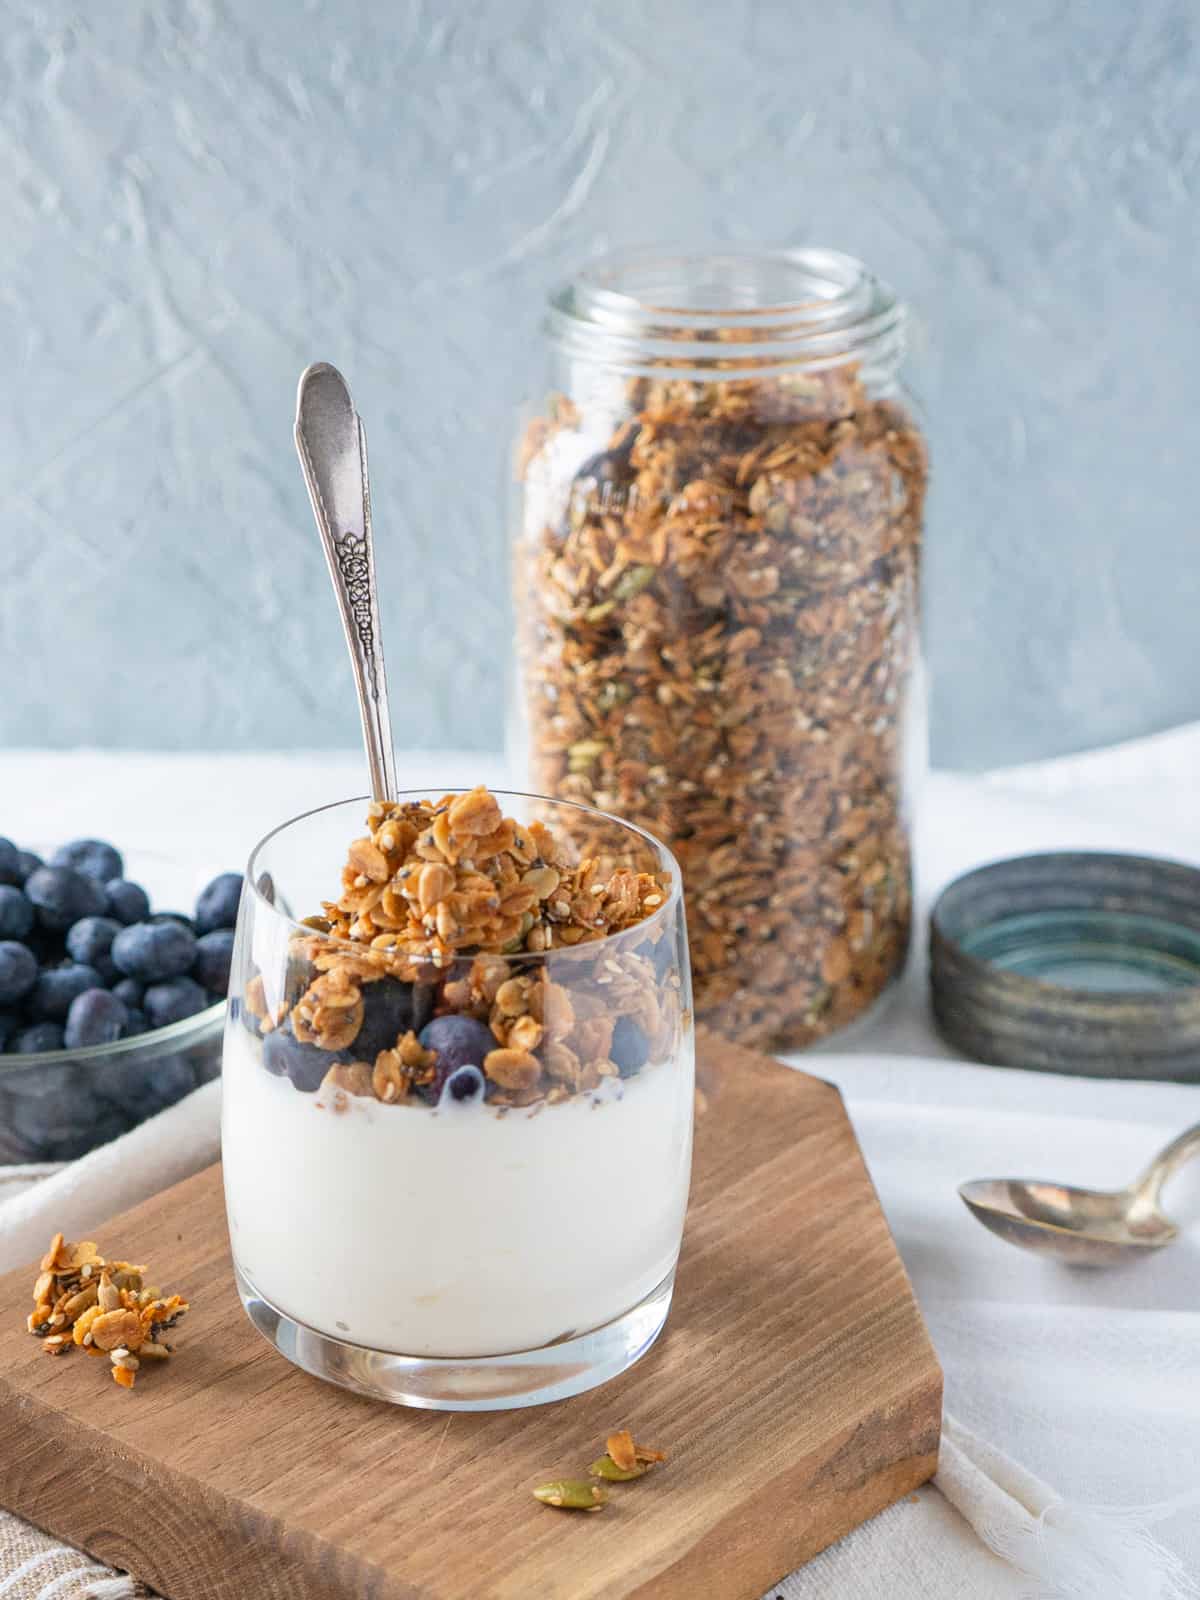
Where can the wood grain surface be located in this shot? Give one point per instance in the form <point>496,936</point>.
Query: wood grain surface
<point>794,1387</point>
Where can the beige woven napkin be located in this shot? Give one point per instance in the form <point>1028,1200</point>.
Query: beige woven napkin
<point>35,1567</point>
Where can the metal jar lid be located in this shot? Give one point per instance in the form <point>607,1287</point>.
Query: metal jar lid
<point>1077,962</point>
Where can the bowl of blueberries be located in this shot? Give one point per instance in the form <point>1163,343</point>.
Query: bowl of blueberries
<point>110,1010</point>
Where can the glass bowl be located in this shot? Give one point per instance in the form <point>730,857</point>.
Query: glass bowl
<point>62,1103</point>
<point>58,1105</point>
<point>498,1227</point>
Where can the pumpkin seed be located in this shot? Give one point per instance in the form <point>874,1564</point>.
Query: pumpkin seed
<point>606,1467</point>
<point>572,1494</point>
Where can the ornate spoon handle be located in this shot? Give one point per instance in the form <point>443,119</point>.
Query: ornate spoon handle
<point>333,454</point>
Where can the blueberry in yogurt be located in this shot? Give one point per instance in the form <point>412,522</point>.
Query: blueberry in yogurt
<point>459,1042</point>
<point>630,1047</point>
<point>465,1084</point>
<point>390,1010</point>
<point>304,1064</point>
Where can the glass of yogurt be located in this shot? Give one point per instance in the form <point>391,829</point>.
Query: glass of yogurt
<point>458,1097</point>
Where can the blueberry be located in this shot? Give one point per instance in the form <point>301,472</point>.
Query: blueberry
<point>74,1133</point>
<point>90,940</point>
<point>16,913</point>
<point>630,1047</point>
<point>10,871</point>
<point>217,905</point>
<point>459,1042</point>
<point>33,1041</point>
<point>466,1083</point>
<point>58,1117</point>
<point>128,902</point>
<point>27,862</point>
<point>661,954</point>
<point>56,987</point>
<point>180,918</point>
<point>10,861</point>
<point>140,1088</point>
<point>152,951</point>
<point>206,1064</point>
<point>61,896</point>
<point>95,1017</point>
<point>129,992</point>
<point>92,857</point>
<point>9,1023</point>
<point>136,1022</point>
<point>304,1064</point>
<point>390,1008</point>
<point>18,971</point>
<point>172,1001</point>
<point>164,1082</point>
<point>214,956</point>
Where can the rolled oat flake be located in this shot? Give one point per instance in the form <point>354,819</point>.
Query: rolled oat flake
<point>715,571</point>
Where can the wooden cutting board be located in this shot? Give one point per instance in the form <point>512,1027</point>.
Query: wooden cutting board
<point>794,1387</point>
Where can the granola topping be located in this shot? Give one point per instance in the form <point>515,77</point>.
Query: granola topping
<point>104,1307</point>
<point>448,909</point>
<point>717,628</point>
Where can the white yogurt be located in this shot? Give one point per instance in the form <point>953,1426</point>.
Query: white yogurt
<point>454,1232</point>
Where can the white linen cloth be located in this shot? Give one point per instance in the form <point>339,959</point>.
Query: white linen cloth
<point>1089,1381</point>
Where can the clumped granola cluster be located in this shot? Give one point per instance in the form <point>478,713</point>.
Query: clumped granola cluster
<point>436,877</point>
<point>448,911</point>
<point>717,625</point>
<point>101,1306</point>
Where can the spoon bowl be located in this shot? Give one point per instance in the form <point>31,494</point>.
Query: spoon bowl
<point>1082,1227</point>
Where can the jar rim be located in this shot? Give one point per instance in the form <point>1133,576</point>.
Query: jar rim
<point>731,312</point>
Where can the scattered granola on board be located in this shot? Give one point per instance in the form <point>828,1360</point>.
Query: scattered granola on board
<point>104,1307</point>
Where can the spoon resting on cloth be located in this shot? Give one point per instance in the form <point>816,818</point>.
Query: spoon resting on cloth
<point>1083,1227</point>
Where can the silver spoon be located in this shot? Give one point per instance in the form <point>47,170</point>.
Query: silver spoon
<point>1084,1227</point>
<point>333,454</point>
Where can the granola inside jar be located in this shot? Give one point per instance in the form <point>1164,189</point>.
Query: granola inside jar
<point>716,568</point>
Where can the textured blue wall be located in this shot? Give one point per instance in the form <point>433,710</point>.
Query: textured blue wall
<point>200,196</point>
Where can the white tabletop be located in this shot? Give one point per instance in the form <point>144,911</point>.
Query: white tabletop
<point>1093,1381</point>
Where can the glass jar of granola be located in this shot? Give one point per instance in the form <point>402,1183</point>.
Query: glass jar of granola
<point>716,582</point>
